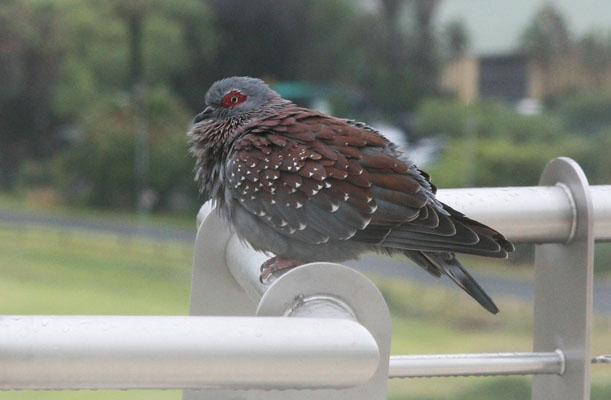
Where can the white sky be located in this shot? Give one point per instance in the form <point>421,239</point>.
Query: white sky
<point>495,26</point>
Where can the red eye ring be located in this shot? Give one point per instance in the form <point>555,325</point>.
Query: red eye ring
<point>233,98</point>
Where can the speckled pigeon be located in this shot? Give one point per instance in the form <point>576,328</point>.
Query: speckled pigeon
<point>307,187</point>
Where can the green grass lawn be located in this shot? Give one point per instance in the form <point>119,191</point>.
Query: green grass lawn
<point>59,271</point>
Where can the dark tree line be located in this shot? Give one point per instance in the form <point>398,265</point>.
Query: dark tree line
<point>61,59</point>
<point>86,85</point>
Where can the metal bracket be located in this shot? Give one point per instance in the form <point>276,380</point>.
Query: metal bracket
<point>214,291</point>
<point>225,282</point>
<point>351,294</point>
<point>563,290</point>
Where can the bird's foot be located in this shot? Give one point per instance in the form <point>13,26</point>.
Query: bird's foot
<point>275,267</point>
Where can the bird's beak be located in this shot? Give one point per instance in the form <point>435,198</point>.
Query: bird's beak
<point>204,115</point>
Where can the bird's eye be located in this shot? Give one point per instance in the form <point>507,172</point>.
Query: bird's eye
<point>233,98</point>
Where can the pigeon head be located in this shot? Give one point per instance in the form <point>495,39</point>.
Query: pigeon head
<point>236,97</point>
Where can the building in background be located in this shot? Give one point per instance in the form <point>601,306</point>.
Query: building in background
<point>514,78</point>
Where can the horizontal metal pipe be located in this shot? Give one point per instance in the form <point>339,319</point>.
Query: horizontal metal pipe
<point>244,264</point>
<point>135,352</point>
<point>601,203</point>
<point>418,366</point>
<point>536,214</point>
<point>602,359</point>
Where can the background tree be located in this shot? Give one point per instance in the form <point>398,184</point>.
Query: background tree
<point>545,40</point>
<point>175,37</point>
<point>456,39</point>
<point>424,55</point>
<point>411,52</point>
<point>392,11</point>
<point>260,38</point>
<point>98,167</point>
<point>29,60</point>
<point>396,75</point>
<point>146,44</point>
<point>68,68</point>
<point>594,52</point>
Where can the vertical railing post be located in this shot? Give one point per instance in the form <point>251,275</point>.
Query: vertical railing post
<point>563,290</point>
<point>214,290</point>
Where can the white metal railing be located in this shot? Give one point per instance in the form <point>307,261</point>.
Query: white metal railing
<point>482,364</point>
<point>534,214</point>
<point>330,327</point>
<point>125,352</point>
<point>565,211</point>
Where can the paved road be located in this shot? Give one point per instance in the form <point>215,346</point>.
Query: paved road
<point>397,267</point>
<point>522,288</point>
<point>130,228</point>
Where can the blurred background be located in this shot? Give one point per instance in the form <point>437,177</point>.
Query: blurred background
<point>97,200</point>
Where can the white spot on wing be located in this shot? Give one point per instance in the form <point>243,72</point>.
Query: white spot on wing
<point>349,235</point>
<point>365,223</point>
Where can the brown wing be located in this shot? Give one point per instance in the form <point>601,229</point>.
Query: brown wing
<point>317,178</point>
<point>301,173</point>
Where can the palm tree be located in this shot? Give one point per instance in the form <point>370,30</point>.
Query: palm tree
<point>545,40</point>
<point>594,51</point>
<point>457,39</point>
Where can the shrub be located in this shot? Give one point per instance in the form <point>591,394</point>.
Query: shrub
<point>99,168</point>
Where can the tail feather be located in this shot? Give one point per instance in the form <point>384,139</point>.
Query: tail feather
<point>466,236</point>
<point>436,263</point>
<point>419,258</point>
<point>481,229</point>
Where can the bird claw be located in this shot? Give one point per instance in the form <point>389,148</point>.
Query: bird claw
<point>266,276</point>
<point>275,267</point>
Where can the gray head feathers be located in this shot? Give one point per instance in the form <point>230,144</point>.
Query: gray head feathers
<point>253,95</point>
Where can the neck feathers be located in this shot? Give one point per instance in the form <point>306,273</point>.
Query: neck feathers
<point>211,143</point>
